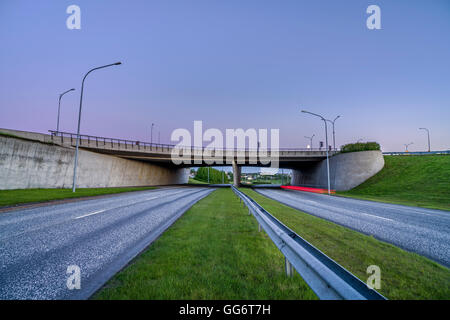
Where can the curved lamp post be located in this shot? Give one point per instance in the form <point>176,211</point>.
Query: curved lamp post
<point>79,120</point>
<point>59,107</point>
<point>310,139</point>
<point>428,133</point>
<point>326,147</point>
<point>332,122</point>
<point>407,145</point>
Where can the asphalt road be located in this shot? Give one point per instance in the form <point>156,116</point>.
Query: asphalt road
<point>424,231</point>
<point>100,236</point>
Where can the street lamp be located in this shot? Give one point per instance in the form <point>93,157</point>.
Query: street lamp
<point>59,107</point>
<point>310,138</point>
<point>332,122</point>
<point>407,145</point>
<point>428,133</point>
<point>151,134</point>
<point>326,146</point>
<point>79,120</point>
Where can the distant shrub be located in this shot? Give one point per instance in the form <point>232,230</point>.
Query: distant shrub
<point>363,146</point>
<point>215,176</point>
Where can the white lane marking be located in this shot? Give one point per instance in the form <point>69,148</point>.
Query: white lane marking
<point>100,211</point>
<point>336,210</point>
<point>366,214</point>
<point>90,214</point>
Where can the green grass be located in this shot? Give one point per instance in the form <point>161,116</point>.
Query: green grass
<point>194,181</point>
<point>422,181</point>
<point>214,251</point>
<point>21,196</point>
<point>404,275</point>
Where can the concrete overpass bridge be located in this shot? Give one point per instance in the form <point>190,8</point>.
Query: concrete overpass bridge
<point>308,165</point>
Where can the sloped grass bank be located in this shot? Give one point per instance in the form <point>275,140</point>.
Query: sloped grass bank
<point>422,181</point>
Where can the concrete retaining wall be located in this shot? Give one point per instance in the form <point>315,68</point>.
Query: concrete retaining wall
<point>28,164</point>
<point>347,170</point>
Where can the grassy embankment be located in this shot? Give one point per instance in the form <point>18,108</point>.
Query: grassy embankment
<point>422,181</point>
<point>21,196</point>
<point>214,251</point>
<point>404,275</point>
<point>194,181</point>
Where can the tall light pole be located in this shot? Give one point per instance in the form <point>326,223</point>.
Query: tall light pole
<point>59,107</point>
<point>428,133</point>
<point>407,145</point>
<point>310,140</point>
<point>332,122</point>
<point>79,120</point>
<point>151,133</point>
<point>326,146</point>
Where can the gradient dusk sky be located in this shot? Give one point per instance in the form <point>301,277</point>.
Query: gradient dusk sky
<point>233,64</point>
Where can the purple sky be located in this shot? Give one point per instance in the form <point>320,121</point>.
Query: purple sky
<point>232,64</point>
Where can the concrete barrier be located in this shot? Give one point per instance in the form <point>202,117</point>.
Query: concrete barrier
<point>347,170</point>
<point>32,164</point>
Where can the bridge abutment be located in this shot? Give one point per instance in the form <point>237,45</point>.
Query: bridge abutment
<point>347,170</point>
<point>28,164</point>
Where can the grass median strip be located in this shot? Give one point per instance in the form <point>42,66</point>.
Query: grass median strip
<point>404,275</point>
<point>214,251</point>
<point>22,196</point>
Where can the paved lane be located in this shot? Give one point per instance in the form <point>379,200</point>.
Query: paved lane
<point>98,235</point>
<point>424,231</point>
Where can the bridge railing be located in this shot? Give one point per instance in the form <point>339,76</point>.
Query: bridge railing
<point>136,145</point>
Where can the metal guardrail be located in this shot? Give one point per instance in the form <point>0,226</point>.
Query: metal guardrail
<point>415,153</point>
<point>326,278</point>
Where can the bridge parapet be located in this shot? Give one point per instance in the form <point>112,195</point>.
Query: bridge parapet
<point>96,142</point>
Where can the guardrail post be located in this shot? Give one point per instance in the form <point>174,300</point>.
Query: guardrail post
<point>259,227</point>
<point>288,267</point>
